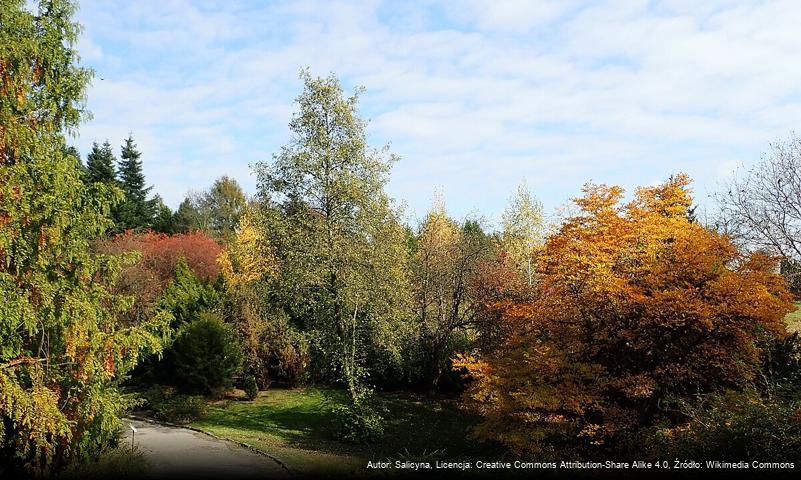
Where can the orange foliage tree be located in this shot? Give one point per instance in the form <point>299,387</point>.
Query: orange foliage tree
<point>635,303</point>
<point>159,255</point>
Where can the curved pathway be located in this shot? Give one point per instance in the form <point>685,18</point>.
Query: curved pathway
<point>174,451</point>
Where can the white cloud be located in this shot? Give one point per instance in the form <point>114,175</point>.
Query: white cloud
<point>473,95</point>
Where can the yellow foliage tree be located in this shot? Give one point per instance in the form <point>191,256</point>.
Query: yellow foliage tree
<point>249,257</point>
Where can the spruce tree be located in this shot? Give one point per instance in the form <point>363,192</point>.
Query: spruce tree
<point>136,212</point>
<point>163,218</point>
<point>100,164</point>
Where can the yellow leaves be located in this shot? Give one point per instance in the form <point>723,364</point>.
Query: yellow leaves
<point>249,257</point>
<point>439,234</point>
<point>33,413</point>
<point>475,368</point>
<point>670,199</point>
<point>599,199</point>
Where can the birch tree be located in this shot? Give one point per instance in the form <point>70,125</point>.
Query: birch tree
<point>523,230</point>
<point>339,245</point>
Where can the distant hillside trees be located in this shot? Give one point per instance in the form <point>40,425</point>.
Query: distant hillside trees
<point>523,230</point>
<point>135,211</point>
<point>215,211</point>
<point>100,164</point>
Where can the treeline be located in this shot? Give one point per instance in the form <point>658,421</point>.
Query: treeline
<point>622,329</point>
<point>214,211</point>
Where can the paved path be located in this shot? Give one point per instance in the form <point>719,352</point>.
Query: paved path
<point>172,451</point>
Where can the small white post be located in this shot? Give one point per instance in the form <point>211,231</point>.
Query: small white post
<point>133,435</point>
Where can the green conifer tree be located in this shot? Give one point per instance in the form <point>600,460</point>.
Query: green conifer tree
<point>100,164</point>
<point>136,212</point>
<point>163,218</point>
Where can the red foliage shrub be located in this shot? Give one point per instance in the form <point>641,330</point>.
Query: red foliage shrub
<point>148,278</point>
<point>160,252</point>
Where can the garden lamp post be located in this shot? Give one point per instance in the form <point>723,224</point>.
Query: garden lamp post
<point>133,434</point>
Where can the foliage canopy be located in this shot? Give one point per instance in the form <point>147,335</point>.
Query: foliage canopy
<point>62,349</point>
<point>635,304</point>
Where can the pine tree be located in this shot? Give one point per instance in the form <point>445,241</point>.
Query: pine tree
<point>136,212</point>
<point>100,164</point>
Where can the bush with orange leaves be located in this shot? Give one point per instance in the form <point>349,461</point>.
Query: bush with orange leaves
<point>635,303</point>
<point>159,253</point>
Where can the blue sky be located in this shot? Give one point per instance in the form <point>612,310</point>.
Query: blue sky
<point>473,96</point>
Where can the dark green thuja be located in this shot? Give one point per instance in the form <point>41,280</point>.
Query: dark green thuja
<point>205,356</point>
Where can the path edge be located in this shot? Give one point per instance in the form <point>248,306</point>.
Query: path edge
<point>194,429</point>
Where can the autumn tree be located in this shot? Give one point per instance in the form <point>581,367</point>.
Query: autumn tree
<point>496,283</point>
<point>62,349</point>
<point>635,304</point>
<point>340,248</point>
<point>274,349</point>
<point>444,260</point>
<point>506,275</point>
<point>249,257</point>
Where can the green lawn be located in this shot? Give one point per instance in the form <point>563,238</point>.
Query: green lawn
<point>295,426</point>
<point>794,319</point>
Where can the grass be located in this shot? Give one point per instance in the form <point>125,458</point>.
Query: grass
<point>793,319</point>
<point>120,463</point>
<point>296,426</point>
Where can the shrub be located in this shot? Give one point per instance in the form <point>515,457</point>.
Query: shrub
<point>274,350</point>
<point>159,257</point>
<point>738,425</point>
<point>168,405</point>
<point>187,295</point>
<point>205,356</point>
<point>251,387</point>
<point>358,422</point>
<point>119,463</point>
<point>156,395</point>
<point>781,363</point>
<point>181,409</point>
<point>161,253</point>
